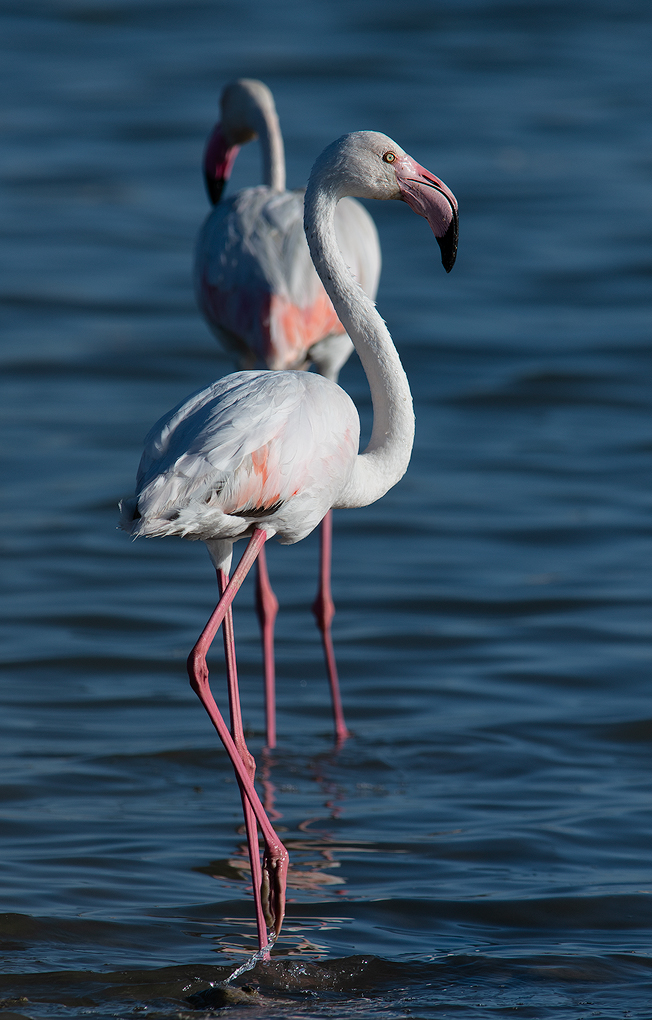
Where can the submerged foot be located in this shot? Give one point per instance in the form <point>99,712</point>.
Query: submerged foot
<point>272,890</point>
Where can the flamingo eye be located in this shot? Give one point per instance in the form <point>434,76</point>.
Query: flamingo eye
<point>389,157</point>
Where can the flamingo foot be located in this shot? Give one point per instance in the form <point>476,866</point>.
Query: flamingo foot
<point>272,890</point>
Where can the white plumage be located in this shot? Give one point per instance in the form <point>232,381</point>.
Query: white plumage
<point>255,448</point>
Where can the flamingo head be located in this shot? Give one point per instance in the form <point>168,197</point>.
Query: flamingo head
<point>367,164</point>
<point>245,104</point>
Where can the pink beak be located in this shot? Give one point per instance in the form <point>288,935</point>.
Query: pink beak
<point>430,198</point>
<point>219,157</point>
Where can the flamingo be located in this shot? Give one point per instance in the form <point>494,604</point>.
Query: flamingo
<point>259,292</point>
<point>260,454</point>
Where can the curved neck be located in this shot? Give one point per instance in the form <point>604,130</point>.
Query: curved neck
<point>267,128</point>
<point>386,458</point>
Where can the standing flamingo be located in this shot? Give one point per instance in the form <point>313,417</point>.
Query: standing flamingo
<point>259,292</point>
<point>260,453</point>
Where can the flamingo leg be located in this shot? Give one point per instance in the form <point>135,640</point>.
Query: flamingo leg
<point>267,608</point>
<point>269,790</point>
<point>237,732</point>
<point>324,610</point>
<point>275,860</point>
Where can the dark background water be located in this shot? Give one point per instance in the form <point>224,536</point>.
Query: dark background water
<point>486,833</point>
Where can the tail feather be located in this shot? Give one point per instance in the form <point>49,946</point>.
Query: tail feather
<point>129,515</point>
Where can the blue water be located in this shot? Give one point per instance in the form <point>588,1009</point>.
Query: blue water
<point>481,846</point>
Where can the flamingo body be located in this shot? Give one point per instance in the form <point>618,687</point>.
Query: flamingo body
<point>257,287</point>
<point>274,450</point>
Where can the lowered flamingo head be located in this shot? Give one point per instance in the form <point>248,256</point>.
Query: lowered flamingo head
<point>367,164</point>
<point>219,157</point>
<point>246,106</point>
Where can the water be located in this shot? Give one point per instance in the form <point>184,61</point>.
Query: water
<point>481,847</point>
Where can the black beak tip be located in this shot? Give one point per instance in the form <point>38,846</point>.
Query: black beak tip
<point>448,246</point>
<point>214,187</point>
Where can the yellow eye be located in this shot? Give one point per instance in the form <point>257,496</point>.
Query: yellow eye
<point>389,157</point>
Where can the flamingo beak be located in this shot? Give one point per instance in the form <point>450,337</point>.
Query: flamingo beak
<point>219,157</point>
<point>430,198</point>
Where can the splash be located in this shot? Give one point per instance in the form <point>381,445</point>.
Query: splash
<point>250,963</point>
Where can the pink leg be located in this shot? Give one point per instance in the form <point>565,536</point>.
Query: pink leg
<point>269,790</point>
<point>267,608</point>
<point>324,611</point>
<point>237,732</point>
<point>275,860</point>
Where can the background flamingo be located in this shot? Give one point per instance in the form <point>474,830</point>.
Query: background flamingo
<point>259,454</point>
<point>259,292</point>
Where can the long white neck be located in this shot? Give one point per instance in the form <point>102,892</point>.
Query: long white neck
<point>386,458</point>
<point>266,125</point>
<point>248,110</point>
